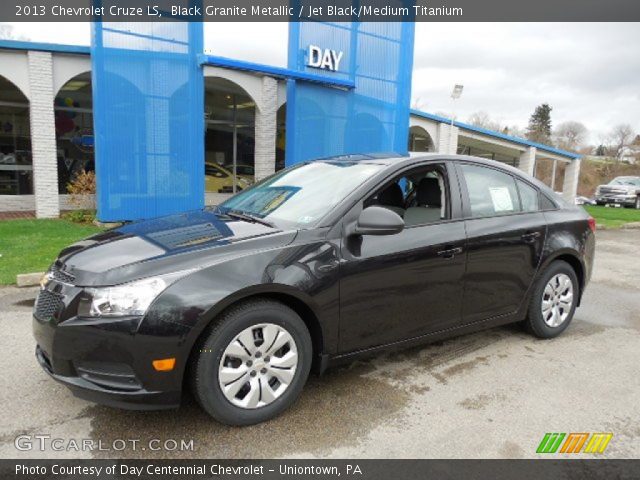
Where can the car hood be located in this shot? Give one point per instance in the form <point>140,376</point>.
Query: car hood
<point>185,241</point>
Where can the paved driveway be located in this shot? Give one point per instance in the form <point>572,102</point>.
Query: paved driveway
<point>491,394</point>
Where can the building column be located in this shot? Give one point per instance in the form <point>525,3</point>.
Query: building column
<point>553,175</point>
<point>266,129</point>
<point>571,179</point>
<point>447,139</point>
<point>527,162</point>
<point>43,134</point>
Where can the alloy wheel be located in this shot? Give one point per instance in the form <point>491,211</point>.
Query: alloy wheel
<point>557,300</point>
<point>258,366</point>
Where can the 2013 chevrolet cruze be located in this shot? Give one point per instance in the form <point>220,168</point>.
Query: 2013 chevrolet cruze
<point>315,265</point>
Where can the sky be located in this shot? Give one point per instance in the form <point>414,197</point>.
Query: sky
<point>587,72</point>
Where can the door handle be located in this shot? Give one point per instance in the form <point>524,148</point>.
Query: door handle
<point>328,267</point>
<point>450,252</point>
<point>530,237</point>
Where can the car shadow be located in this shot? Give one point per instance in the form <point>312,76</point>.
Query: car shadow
<point>334,410</point>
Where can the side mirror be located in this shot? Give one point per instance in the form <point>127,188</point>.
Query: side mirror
<point>378,221</point>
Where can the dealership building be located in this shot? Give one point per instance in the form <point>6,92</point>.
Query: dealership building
<point>48,130</point>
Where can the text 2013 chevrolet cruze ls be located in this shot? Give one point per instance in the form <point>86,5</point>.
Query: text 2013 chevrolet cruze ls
<point>315,265</point>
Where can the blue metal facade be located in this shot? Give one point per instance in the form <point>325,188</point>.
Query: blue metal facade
<point>374,116</point>
<point>148,92</point>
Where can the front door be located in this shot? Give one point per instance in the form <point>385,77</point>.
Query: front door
<point>402,286</point>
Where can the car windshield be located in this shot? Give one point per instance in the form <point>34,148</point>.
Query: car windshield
<point>300,196</point>
<point>626,181</point>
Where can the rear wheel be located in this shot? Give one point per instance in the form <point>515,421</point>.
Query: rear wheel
<point>554,301</point>
<point>252,364</point>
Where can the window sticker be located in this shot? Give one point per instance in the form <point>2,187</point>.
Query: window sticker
<point>501,198</point>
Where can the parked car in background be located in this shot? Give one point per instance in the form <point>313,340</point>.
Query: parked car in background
<point>246,171</point>
<point>580,200</point>
<point>219,179</point>
<point>314,266</point>
<point>620,191</point>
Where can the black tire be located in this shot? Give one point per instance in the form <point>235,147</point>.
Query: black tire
<point>600,203</point>
<point>535,322</point>
<point>213,342</point>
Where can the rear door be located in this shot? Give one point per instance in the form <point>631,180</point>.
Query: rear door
<point>505,238</point>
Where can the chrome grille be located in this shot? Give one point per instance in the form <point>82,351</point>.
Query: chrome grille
<point>47,304</point>
<point>612,190</point>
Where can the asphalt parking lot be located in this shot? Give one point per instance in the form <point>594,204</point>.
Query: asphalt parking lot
<point>489,395</point>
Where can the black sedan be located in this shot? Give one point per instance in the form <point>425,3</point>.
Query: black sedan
<point>317,264</point>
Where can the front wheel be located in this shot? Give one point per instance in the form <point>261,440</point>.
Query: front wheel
<point>252,364</point>
<point>554,301</point>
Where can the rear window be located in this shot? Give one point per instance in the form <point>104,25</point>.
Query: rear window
<point>491,192</point>
<point>528,197</point>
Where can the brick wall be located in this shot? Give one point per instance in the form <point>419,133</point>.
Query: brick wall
<point>527,161</point>
<point>571,179</point>
<point>266,129</point>
<point>17,203</point>
<point>447,139</point>
<point>43,141</point>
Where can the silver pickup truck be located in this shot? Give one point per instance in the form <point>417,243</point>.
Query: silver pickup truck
<point>620,191</point>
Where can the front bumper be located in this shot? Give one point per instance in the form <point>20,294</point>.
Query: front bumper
<point>104,360</point>
<point>139,399</point>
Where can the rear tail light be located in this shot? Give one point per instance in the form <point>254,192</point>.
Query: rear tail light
<point>592,224</point>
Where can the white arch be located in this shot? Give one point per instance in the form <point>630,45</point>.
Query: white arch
<point>251,84</point>
<point>413,129</point>
<point>66,67</point>
<point>14,66</point>
<point>430,126</point>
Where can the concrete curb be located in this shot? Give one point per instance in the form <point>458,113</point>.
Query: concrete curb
<point>624,226</point>
<point>29,279</point>
<point>631,226</point>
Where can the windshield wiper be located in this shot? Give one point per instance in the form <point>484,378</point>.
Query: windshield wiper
<point>247,217</point>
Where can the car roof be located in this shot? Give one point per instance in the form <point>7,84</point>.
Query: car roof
<point>414,158</point>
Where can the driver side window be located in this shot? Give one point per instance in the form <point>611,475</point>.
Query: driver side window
<point>420,196</point>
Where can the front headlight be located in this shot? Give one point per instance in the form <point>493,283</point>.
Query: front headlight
<point>127,299</point>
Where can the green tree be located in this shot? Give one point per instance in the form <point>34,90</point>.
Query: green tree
<point>601,151</point>
<point>539,129</point>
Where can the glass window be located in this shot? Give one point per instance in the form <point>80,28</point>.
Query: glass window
<point>229,142</point>
<point>419,196</point>
<point>16,168</point>
<point>490,192</point>
<point>300,196</point>
<point>528,197</point>
<point>73,107</point>
<point>546,203</point>
<point>626,181</point>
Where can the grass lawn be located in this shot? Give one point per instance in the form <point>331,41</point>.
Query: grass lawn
<point>31,245</point>
<point>613,217</point>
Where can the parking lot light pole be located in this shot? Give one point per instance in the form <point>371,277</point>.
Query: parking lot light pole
<point>455,94</point>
